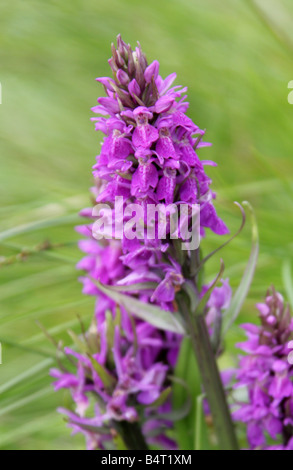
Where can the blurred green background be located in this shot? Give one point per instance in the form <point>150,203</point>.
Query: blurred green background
<point>235,56</point>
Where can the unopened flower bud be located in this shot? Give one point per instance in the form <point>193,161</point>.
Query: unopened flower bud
<point>122,77</point>
<point>134,88</point>
<point>152,71</point>
<point>122,47</point>
<point>113,65</point>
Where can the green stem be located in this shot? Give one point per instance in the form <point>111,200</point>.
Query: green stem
<point>211,378</point>
<point>132,436</point>
<point>198,422</point>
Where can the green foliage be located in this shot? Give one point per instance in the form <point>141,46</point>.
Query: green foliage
<point>152,314</point>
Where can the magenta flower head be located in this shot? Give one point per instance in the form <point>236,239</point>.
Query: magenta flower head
<point>266,374</point>
<point>149,158</point>
<point>150,149</point>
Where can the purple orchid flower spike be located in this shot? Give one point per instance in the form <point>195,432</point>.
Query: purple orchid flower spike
<point>148,157</point>
<point>266,374</point>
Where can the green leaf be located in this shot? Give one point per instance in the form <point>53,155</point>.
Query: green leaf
<point>187,373</point>
<point>154,315</point>
<point>199,418</point>
<point>287,280</point>
<point>41,224</point>
<point>200,266</point>
<point>242,291</point>
<point>93,339</point>
<point>183,411</point>
<point>197,305</point>
<point>35,281</point>
<point>135,287</point>
<point>162,398</point>
<point>29,427</point>
<point>20,378</point>
<point>88,427</point>
<point>119,443</point>
<point>104,375</point>
<point>82,347</point>
<point>26,400</point>
<point>13,344</point>
<point>203,301</point>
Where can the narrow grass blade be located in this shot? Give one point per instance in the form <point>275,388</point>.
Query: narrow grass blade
<point>242,291</point>
<point>288,281</point>
<point>33,226</point>
<point>26,375</point>
<point>198,422</point>
<point>26,400</point>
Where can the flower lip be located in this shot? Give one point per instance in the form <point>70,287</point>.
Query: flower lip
<point>142,111</point>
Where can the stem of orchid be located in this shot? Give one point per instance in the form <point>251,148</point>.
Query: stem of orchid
<point>132,436</point>
<point>210,377</point>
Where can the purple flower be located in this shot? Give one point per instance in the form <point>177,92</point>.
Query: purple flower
<point>144,178</point>
<point>166,186</point>
<point>266,375</point>
<point>152,71</point>
<point>218,302</point>
<point>144,134</point>
<point>165,146</point>
<point>121,375</point>
<point>166,290</point>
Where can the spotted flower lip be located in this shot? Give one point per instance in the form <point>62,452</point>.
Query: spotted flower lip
<point>142,113</point>
<point>267,376</point>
